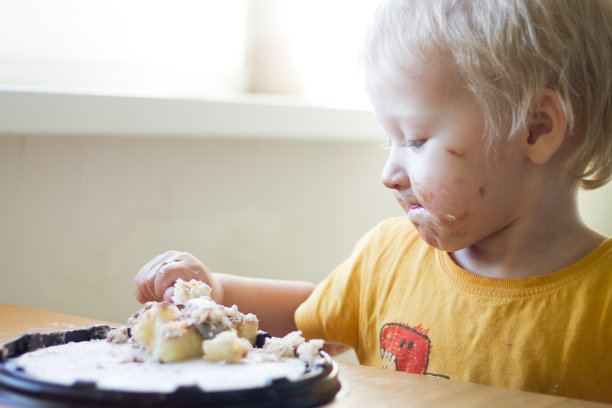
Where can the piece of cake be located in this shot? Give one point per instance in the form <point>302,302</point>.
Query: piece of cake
<point>170,334</point>
<point>204,328</point>
<point>294,345</point>
<point>285,346</point>
<point>146,323</point>
<point>209,317</point>
<point>193,289</point>
<point>118,335</point>
<point>308,351</point>
<point>177,340</point>
<point>247,327</point>
<point>226,346</point>
<point>212,318</point>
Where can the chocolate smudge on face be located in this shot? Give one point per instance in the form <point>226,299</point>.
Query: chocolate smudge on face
<point>455,153</point>
<point>482,191</point>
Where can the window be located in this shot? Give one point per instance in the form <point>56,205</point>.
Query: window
<point>186,48</point>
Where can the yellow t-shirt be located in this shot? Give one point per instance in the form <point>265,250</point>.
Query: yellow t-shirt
<point>404,305</point>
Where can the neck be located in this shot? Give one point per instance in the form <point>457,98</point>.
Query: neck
<point>546,239</point>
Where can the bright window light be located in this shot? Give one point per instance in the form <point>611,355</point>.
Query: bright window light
<point>190,48</point>
<point>325,43</point>
<point>181,47</point>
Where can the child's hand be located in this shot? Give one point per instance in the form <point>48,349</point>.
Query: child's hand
<point>155,280</point>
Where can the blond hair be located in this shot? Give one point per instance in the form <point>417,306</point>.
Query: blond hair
<point>507,50</point>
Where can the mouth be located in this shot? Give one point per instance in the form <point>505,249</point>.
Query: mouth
<point>417,213</point>
<point>408,203</point>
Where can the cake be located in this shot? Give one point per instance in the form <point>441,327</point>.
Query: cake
<point>202,328</point>
<point>226,346</point>
<point>166,347</point>
<point>193,289</point>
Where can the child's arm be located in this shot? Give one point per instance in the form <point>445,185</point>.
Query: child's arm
<point>273,301</point>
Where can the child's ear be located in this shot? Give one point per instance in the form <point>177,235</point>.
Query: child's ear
<point>546,127</point>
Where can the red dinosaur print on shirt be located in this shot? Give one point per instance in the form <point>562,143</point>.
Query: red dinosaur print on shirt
<point>405,348</point>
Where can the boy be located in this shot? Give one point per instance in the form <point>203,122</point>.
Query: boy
<point>496,113</point>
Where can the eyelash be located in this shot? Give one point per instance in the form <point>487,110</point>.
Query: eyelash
<point>414,145</point>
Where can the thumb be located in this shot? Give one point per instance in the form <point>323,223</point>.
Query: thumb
<point>168,294</point>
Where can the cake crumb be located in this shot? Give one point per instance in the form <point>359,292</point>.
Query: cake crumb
<point>184,291</point>
<point>118,335</point>
<point>294,345</point>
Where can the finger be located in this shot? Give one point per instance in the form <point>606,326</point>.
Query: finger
<point>167,276</point>
<point>195,268</point>
<point>143,285</point>
<point>144,279</point>
<point>168,294</point>
<point>147,285</point>
<point>156,261</point>
<point>139,293</point>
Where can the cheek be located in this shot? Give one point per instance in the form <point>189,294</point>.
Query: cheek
<point>450,201</point>
<point>457,183</point>
<point>438,193</point>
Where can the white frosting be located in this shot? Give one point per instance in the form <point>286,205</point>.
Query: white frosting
<point>123,367</point>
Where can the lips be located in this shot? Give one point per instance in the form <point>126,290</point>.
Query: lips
<point>408,204</point>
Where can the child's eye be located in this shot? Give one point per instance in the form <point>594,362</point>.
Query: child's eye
<point>415,144</point>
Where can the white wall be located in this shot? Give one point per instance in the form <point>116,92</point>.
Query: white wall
<point>81,212</point>
<point>82,215</point>
<point>596,208</point>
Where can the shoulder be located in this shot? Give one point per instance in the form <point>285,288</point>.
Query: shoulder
<point>599,259</point>
<point>606,247</point>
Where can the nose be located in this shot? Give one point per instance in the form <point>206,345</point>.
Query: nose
<point>395,174</point>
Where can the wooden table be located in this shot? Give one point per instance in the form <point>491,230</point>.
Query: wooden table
<point>362,386</point>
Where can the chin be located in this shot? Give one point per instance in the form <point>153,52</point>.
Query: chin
<point>430,237</point>
<point>436,240</point>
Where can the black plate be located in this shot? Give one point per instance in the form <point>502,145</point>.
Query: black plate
<point>316,387</point>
